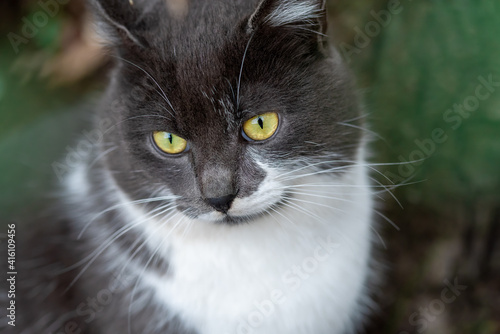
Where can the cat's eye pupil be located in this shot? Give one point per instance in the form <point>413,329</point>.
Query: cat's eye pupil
<point>170,138</point>
<point>261,123</point>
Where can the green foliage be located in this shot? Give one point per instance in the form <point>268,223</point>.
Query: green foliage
<point>426,61</point>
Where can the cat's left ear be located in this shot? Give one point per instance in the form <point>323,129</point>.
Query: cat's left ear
<point>305,15</point>
<point>128,22</point>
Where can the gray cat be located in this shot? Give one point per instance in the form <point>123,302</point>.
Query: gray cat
<point>227,195</point>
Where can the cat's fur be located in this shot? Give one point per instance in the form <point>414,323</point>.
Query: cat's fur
<point>137,248</point>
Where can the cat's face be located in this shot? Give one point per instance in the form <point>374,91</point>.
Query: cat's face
<point>189,94</point>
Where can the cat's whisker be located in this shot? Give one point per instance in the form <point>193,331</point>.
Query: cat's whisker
<point>188,228</point>
<point>357,163</point>
<point>270,212</point>
<point>373,133</point>
<point>379,236</point>
<point>364,115</point>
<point>102,155</point>
<point>241,72</point>
<point>162,94</point>
<point>326,188</point>
<point>321,196</point>
<point>315,144</point>
<point>232,89</point>
<point>146,266</point>
<point>387,220</point>
<point>319,204</point>
<point>324,192</point>
<point>353,164</point>
<point>288,202</point>
<point>119,205</point>
<point>318,172</point>
<point>388,191</point>
<point>312,163</point>
<point>398,185</point>
<point>282,215</point>
<point>299,208</point>
<point>115,236</point>
<point>332,185</point>
<point>131,304</point>
<point>144,242</point>
<point>89,259</point>
<point>294,206</point>
<point>334,191</point>
<point>309,30</point>
<point>305,167</point>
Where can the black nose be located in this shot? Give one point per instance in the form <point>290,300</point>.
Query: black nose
<point>221,204</point>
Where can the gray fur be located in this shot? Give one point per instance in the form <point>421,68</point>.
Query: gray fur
<point>186,76</point>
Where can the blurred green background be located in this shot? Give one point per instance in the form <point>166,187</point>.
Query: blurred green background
<point>430,75</point>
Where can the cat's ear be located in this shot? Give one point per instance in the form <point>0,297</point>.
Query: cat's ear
<point>123,22</point>
<point>306,15</point>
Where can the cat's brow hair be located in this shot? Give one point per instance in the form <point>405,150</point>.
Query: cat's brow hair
<point>222,106</point>
<point>162,93</point>
<point>241,71</point>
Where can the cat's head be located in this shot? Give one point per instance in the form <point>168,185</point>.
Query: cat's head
<point>220,103</point>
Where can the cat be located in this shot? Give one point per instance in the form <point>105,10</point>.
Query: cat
<point>227,195</point>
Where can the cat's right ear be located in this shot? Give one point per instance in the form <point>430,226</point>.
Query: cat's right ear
<point>127,22</point>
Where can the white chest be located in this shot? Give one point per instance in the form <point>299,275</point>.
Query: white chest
<point>299,271</point>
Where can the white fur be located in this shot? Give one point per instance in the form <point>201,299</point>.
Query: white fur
<point>293,11</point>
<point>77,182</point>
<point>222,275</point>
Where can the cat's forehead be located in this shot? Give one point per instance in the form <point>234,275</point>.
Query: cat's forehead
<point>202,96</point>
<point>202,72</point>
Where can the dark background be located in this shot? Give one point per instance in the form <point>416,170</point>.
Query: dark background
<point>417,64</point>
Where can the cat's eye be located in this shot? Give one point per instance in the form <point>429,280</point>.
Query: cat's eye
<point>169,143</point>
<point>261,127</point>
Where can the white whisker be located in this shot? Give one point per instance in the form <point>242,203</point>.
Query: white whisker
<point>145,241</point>
<point>364,129</point>
<point>241,73</point>
<point>115,236</point>
<point>114,207</point>
<point>145,267</point>
<point>162,92</point>
<point>387,220</point>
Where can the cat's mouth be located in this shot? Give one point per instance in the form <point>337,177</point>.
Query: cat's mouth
<point>228,218</point>
<point>236,215</point>
<point>267,200</point>
<point>235,220</point>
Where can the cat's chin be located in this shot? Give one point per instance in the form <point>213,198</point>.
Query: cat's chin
<point>228,219</point>
<point>234,220</point>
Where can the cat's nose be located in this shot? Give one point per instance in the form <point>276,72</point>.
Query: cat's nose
<point>221,204</point>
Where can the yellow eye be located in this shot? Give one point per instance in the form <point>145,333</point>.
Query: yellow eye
<point>169,143</point>
<point>261,127</point>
